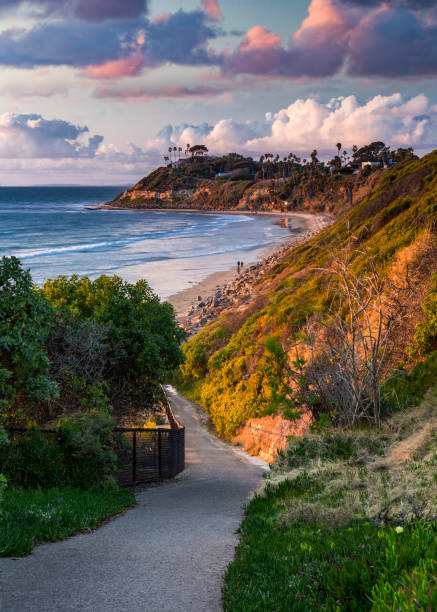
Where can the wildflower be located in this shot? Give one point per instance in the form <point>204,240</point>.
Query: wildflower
<point>399,529</point>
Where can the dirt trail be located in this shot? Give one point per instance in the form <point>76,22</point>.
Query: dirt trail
<point>168,553</point>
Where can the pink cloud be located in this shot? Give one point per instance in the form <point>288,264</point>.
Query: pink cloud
<point>128,66</point>
<point>317,48</point>
<point>321,14</point>
<point>258,38</point>
<point>212,9</point>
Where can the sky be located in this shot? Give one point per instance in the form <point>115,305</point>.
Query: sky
<point>95,91</point>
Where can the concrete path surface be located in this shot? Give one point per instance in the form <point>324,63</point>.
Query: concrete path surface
<point>168,553</point>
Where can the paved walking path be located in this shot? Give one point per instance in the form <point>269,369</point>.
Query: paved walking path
<point>167,554</point>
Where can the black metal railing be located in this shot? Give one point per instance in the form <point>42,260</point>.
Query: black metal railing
<point>143,455</point>
<point>147,455</point>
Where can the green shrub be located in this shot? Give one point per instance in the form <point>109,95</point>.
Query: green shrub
<point>404,389</point>
<point>425,337</point>
<point>25,316</point>
<point>141,335</point>
<point>3,485</point>
<point>33,459</point>
<point>87,446</point>
<point>81,454</point>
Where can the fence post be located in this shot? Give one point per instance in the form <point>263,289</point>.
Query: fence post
<point>159,454</point>
<point>134,457</point>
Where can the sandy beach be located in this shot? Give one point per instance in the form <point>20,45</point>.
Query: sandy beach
<point>183,300</point>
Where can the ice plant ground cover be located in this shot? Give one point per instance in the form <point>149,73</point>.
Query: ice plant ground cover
<point>346,521</point>
<point>31,516</point>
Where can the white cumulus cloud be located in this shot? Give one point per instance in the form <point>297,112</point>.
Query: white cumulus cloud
<point>307,123</point>
<point>32,136</point>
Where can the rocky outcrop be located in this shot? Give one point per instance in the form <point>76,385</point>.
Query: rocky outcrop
<point>326,193</point>
<point>266,436</point>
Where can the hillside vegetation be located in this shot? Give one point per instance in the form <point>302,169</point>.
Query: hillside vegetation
<point>241,366</point>
<point>345,329</point>
<point>346,521</point>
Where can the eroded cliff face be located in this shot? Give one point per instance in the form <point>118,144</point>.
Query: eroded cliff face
<point>329,193</point>
<point>266,436</point>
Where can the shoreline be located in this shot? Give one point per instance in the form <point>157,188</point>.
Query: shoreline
<point>198,301</point>
<point>218,211</point>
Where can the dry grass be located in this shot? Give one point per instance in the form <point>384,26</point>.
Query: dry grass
<point>389,475</point>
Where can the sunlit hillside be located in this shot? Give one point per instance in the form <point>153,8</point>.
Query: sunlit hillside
<point>235,367</point>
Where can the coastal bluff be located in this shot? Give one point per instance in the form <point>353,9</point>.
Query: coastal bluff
<point>236,183</point>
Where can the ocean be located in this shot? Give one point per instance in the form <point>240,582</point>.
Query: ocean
<point>53,233</point>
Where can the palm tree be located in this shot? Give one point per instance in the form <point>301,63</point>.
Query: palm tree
<point>261,161</point>
<point>268,156</point>
<point>290,161</point>
<point>338,145</point>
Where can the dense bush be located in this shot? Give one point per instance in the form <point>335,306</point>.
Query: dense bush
<point>81,454</point>
<point>425,337</point>
<point>77,342</point>
<point>32,460</point>
<point>139,332</point>
<point>3,485</point>
<point>87,445</point>
<point>24,321</point>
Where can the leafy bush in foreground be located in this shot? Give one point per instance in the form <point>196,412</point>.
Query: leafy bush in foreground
<point>141,335</point>
<point>81,454</point>
<point>24,322</point>
<point>76,338</point>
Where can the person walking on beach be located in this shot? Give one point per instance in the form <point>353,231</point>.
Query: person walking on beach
<point>238,267</point>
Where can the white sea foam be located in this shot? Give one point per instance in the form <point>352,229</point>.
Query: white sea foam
<point>61,237</point>
<point>66,249</point>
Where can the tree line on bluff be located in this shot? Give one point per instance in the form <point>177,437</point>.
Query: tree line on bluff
<point>275,166</point>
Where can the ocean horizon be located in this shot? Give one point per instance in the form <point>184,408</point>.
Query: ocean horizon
<point>52,232</point>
